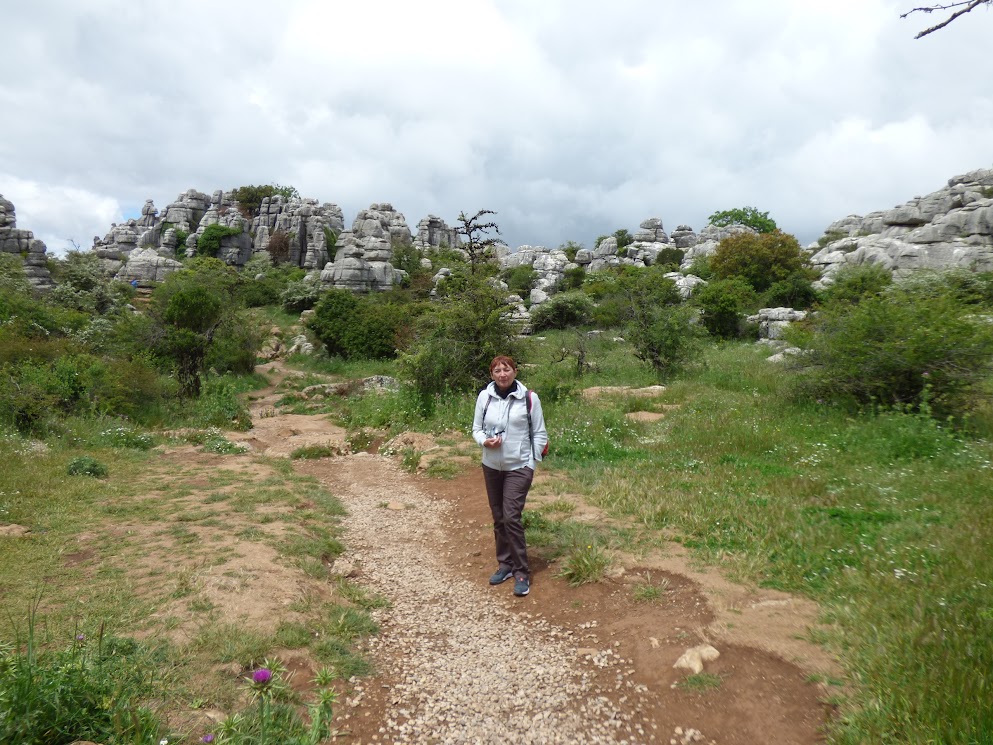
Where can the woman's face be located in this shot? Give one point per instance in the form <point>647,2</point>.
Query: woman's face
<point>503,375</point>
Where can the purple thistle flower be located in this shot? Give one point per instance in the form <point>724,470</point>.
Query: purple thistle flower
<point>262,676</point>
<point>80,637</point>
<point>207,738</point>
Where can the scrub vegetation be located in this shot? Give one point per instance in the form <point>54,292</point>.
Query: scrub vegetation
<point>857,476</point>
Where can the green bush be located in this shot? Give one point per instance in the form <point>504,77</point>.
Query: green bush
<point>455,341</point>
<point>796,291</point>
<point>520,280</point>
<point>209,242</point>
<point>573,278</point>
<point>748,216</point>
<point>761,260</point>
<point>671,258</point>
<point>354,327</point>
<point>82,284</point>
<point>562,311</point>
<point>86,465</point>
<point>279,247</point>
<point>853,283</point>
<point>665,337</point>
<point>619,292</point>
<point>250,198</point>
<point>723,303</point>
<point>300,295</point>
<point>904,346</point>
<point>700,267</point>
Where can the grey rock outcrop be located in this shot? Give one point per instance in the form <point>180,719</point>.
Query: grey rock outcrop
<point>146,265</point>
<point>549,264</point>
<point>773,322</point>
<point>307,223</point>
<point>706,242</point>
<point>952,227</point>
<point>24,244</point>
<point>434,233</point>
<point>362,261</point>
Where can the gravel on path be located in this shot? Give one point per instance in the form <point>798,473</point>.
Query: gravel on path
<point>469,663</point>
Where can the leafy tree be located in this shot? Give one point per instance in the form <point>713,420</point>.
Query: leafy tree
<point>478,245</point>
<point>749,216</point>
<point>761,260</point>
<point>191,307</point>
<point>250,198</point>
<point>964,6</point>
<point>624,238</point>
<point>571,248</point>
<point>455,341</point>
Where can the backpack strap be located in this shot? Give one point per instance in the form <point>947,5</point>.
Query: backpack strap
<point>527,400</point>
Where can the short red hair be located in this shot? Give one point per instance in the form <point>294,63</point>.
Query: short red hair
<point>503,359</point>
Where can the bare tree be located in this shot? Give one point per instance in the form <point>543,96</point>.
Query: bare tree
<point>478,245</point>
<point>958,9</point>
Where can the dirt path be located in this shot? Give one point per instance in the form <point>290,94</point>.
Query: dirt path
<point>459,661</point>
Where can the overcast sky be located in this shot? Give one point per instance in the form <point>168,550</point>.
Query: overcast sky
<point>569,118</point>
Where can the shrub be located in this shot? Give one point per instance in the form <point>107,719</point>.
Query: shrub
<point>279,247</point>
<point>91,690</point>
<point>300,295</point>
<point>761,260</point>
<point>665,337</point>
<point>796,291</point>
<point>573,278</point>
<point>355,327</point>
<point>723,303</point>
<point>209,242</point>
<point>619,293</point>
<point>670,258</point>
<point>83,285</point>
<point>700,267</point>
<point>250,198</point>
<point>520,280</point>
<point>456,340</point>
<point>748,216</point>
<point>853,283</point>
<point>562,311</point>
<point>901,347</point>
<point>85,465</point>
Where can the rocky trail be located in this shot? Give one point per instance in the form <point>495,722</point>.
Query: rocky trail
<point>458,661</point>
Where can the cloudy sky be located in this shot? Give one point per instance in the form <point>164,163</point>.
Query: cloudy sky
<point>569,118</point>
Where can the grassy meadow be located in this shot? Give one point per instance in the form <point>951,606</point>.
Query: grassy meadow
<point>884,518</point>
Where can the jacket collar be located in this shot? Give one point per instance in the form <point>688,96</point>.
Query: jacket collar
<point>518,391</point>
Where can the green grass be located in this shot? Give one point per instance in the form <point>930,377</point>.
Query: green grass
<point>700,682</point>
<point>650,591</point>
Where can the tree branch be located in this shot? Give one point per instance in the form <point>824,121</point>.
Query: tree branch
<point>970,5</point>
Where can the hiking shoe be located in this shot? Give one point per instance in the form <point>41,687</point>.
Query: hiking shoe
<point>522,586</point>
<point>501,575</point>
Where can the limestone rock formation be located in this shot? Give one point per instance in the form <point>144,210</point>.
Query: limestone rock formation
<point>952,227</point>
<point>362,261</point>
<point>550,265</point>
<point>434,233</point>
<point>24,244</point>
<point>308,225</point>
<point>146,265</point>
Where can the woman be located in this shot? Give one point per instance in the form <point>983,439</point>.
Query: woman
<point>510,427</point>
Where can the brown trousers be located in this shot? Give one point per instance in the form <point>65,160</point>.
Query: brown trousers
<point>507,492</point>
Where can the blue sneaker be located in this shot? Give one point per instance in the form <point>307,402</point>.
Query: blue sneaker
<point>522,586</point>
<point>501,575</point>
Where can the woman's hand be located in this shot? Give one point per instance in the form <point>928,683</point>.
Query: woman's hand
<point>493,442</point>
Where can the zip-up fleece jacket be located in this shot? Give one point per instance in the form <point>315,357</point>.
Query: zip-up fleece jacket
<point>509,416</point>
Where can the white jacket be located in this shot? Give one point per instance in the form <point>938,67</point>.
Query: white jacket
<point>510,417</point>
